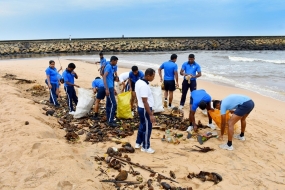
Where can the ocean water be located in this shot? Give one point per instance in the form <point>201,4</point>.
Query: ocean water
<point>259,71</point>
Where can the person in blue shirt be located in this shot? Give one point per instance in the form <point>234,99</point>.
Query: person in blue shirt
<point>102,63</point>
<point>199,98</point>
<point>68,76</point>
<point>170,72</point>
<point>108,79</point>
<point>98,87</point>
<point>190,70</point>
<point>52,82</point>
<point>240,106</point>
<point>134,76</point>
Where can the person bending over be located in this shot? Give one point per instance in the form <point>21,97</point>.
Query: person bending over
<point>240,106</point>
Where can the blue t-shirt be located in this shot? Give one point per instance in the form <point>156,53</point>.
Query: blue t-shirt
<point>110,75</point>
<point>232,102</point>
<point>169,68</point>
<point>102,61</point>
<point>135,78</point>
<point>198,96</point>
<point>52,72</point>
<point>68,77</point>
<point>58,76</point>
<point>115,68</point>
<point>191,69</point>
<point>97,83</point>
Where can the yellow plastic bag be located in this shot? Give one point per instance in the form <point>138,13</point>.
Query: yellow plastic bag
<point>216,116</point>
<point>124,110</point>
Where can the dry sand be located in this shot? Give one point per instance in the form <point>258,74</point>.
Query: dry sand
<point>37,156</point>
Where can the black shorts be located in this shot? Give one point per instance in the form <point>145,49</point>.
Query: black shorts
<point>244,108</point>
<point>133,86</point>
<point>169,85</point>
<point>101,93</point>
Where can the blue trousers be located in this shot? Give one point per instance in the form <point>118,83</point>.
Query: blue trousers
<point>71,96</point>
<point>111,106</point>
<point>185,87</point>
<point>52,91</point>
<point>145,129</point>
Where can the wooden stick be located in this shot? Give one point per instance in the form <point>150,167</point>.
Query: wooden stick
<point>145,168</point>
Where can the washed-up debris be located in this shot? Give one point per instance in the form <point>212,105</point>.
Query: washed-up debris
<point>206,176</point>
<point>38,90</point>
<point>115,181</point>
<point>123,175</point>
<point>19,81</point>
<point>27,123</point>
<point>203,138</point>
<point>172,174</point>
<point>203,149</point>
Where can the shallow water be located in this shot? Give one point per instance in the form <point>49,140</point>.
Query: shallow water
<point>258,71</point>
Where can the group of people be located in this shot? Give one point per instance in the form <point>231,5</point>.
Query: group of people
<point>239,105</point>
<point>137,82</point>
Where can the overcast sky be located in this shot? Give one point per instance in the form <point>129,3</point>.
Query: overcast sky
<point>56,19</point>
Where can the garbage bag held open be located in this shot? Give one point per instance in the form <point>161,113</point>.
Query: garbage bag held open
<point>124,110</point>
<point>85,102</point>
<point>157,97</point>
<point>216,116</point>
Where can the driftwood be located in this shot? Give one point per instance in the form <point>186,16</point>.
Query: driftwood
<point>203,149</point>
<point>145,168</point>
<point>115,181</point>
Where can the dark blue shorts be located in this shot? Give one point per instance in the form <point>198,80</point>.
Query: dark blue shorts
<point>244,108</point>
<point>169,85</point>
<point>101,93</point>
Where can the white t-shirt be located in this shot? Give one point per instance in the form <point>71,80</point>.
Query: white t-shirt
<point>143,91</point>
<point>118,87</point>
<point>124,76</point>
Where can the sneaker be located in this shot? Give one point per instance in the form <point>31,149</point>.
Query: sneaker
<point>190,128</point>
<point>113,125</point>
<point>149,150</point>
<point>57,106</point>
<point>165,103</point>
<point>226,147</point>
<point>170,107</point>
<point>181,107</point>
<point>137,146</point>
<point>205,112</point>
<point>72,112</point>
<point>212,126</point>
<point>239,137</point>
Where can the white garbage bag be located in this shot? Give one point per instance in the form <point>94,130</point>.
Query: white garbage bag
<point>157,97</point>
<point>85,102</point>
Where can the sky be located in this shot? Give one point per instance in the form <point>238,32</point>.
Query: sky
<point>60,19</point>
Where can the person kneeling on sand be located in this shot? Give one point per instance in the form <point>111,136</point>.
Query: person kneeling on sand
<point>199,98</point>
<point>98,87</point>
<point>240,106</point>
<point>145,103</point>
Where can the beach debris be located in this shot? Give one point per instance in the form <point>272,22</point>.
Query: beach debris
<point>203,149</point>
<point>145,168</point>
<point>50,112</point>
<point>176,112</point>
<point>123,175</point>
<point>37,90</point>
<point>27,123</point>
<point>149,184</point>
<point>203,138</point>
<point>71,136</point>
<point>165,186</point>
<point>19,81</point>
<point>115,181</point>
<point>206,176</point>
<point>172,174</point>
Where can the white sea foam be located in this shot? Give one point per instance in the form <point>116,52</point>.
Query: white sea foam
<point>246,59</point>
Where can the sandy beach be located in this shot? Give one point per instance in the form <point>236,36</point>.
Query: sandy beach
<point>37,156</point>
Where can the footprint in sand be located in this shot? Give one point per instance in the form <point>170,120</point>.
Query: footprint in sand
<point>64,185</point>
